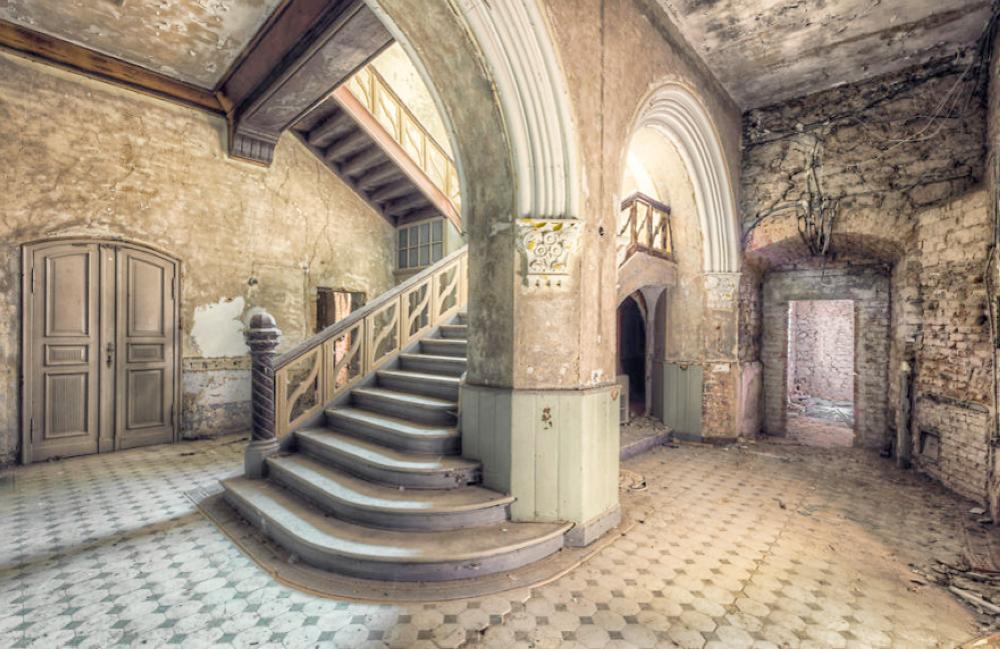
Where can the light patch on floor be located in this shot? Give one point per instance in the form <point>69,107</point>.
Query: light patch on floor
<point>764,546</point>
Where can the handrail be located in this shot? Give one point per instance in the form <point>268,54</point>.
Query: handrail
<point>644,198</point>
<point>371,89</point>
<point>645,230</point>
<point>326,365</point>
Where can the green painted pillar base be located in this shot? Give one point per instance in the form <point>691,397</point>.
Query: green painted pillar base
<point>555,451</point>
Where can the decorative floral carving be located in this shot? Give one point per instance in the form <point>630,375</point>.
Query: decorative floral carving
<point>547,247</point>
<point>722,290</point>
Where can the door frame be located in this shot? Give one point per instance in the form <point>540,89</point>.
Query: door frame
<point>27,320</point>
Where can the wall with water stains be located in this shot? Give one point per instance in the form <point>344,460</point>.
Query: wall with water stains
<point>85,158</point>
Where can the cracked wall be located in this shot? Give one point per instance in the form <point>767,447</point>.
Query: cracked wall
<point>89,159</point>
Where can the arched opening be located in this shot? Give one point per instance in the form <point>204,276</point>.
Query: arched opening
<point>829,340</point>
<point>632,350</point>
<point>674,156</point>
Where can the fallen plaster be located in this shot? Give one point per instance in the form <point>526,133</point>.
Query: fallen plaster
<point>218,328</point>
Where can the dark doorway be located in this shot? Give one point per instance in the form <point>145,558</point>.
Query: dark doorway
<point>632,353</point>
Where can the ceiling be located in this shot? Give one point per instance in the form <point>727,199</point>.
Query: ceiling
<point>765,51</point>
<point>762,51</point>
<point>191,40</point>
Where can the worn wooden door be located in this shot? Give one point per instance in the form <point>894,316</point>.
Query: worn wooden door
<point>145,345</point>
<point>63,356</point>
<point>100,348</point>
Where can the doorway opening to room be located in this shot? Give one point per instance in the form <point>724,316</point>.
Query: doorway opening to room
<point>820,394</point>
<point>632,353</point>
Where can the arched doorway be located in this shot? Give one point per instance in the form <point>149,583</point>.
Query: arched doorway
<point>101,340</point>
<point>632,352</point>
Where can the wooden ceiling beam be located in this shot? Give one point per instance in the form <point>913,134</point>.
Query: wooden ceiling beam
<point>74,57</point>
<point>304,53</point>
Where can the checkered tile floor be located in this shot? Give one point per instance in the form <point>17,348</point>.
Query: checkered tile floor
<point>768,546</point>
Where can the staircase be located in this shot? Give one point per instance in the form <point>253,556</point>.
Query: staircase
<point>382,152</point>
<point>377,489</point>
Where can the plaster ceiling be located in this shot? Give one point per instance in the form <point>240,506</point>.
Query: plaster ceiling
<point>764,51</point>
<point>192,40</point>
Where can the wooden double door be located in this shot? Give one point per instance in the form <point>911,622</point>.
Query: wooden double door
<point>100,348</point>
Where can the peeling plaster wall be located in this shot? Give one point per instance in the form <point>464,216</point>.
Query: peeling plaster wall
<point>192,40</point>
<point>767,51</point>
<point>86,158</point>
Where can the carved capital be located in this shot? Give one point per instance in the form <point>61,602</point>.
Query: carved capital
<point>548,247</point>
<point>722,290</point>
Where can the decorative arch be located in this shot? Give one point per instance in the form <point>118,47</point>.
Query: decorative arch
<point>676,113</point>
<point>515,50</point>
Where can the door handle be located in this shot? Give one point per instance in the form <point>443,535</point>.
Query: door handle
<point>111,352</point>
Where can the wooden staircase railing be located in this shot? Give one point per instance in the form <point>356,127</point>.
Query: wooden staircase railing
<point>375,94</point>
<point>646,226</point>
<point>292,389</point>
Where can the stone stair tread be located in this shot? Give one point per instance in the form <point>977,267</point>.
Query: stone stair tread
<point>434,357</point>
<point>404,427</point>
<point>384,457</point>
<point>407,398</point>
<point>345,488</point>
<point>326,534</point>
<point>422,376</point>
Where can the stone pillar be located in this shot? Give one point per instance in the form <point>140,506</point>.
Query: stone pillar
<point>540,405</point>
<point>262,338</point>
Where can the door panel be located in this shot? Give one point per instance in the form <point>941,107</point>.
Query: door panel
<point>146,349</point>
<point>100,359</point>
<point>61,357</point>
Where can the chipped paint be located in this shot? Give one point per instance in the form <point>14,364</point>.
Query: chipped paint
<point>218,328</point>
<point>192,40</point>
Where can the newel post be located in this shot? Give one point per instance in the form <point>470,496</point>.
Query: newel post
<point>262,338</point>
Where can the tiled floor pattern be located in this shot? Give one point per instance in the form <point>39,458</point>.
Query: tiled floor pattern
<point>764,546</point>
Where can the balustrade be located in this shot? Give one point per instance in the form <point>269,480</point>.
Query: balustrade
<point>645,226</point>
<point>292,389</point>
<point>368,86</point>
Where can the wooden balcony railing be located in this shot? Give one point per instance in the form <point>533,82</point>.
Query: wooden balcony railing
<point>645,226</point>
<point>292,389</point>
<point>374,93</point>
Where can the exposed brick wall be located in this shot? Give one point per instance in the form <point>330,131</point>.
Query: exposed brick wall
<point>914,204</point>
<point>719,401</point>
<point>876,149</point>
<point>868,287</point>
<point>953,381</point>
<point>821,349</point>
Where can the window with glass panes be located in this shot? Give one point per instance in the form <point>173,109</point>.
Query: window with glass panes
<point>421,244</point>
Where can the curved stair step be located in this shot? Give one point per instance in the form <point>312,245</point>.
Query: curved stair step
<point>381,464</point>
<point>433,363</point>
<point>400,434</point>
<point>413,407</point>
<point>367,503</point>
<point>444,346</point>
<point>442,386</point>
<point>370,553</point>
